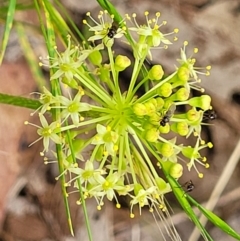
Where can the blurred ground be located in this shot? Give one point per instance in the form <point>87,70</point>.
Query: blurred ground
<point>31,204</point>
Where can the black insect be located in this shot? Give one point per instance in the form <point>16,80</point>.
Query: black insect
<point>189,186</point>
<point>209,115</point>
<point>113,30</point>
<point>167,116</point>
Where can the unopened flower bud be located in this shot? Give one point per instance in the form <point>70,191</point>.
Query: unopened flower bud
<point>181,128</point>
<point>176,170</point>
<point>156,72</point>
<point>160,103</point>
<point>122,62</point>
<point>140,109</point>
<point>202,102</point>
<point>95,58</point>
<point>167,150</point>
<point>150,107</point>
<point>182,94</point>
<point>152,135</point>
<point>164,129</point>
<point>183,73</point>
<point>165,90</point>
<point>193,115</point>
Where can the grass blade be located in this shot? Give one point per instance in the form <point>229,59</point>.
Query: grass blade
<point>8,27</point>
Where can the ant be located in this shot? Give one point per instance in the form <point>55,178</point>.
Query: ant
<point>209,115</point>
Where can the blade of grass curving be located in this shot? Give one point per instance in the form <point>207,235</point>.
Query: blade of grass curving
<point>55,88</point>
<point>57,21</point>
<point>181,197</point>
<point>8,27</point>
<point>19,101</point>
<point>69,138</point>
<point>76,29</point>
<point>218,222</point>
<point>30,57</point>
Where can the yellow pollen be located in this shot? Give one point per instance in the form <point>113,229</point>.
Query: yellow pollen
<point>151,210</point>
<point>195,50</point>
<point>207,165</point>
<point>200,175</point>
<point>134,15</point>
<point>146,13</point>
<point>118,205</point>
<point>176,30</point>
<point>164,22</point>
<point>131,215</point>
<point>158,14</point>
<point>185,43</point>
<point>99,208</point>
<point>210,145</point>
<point>202,142</point>
<point>88,14</point>
<point>26,122</point>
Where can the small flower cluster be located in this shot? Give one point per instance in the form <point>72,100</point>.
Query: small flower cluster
<point>106,135</point>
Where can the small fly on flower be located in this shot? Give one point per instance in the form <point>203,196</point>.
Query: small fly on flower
<point>209,115</point>
<point>167,116</point>
<point>113,30</point>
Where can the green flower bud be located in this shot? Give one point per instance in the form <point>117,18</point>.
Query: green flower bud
<point>160,103</point>
<point>176,170</point>
<point>156,72</point>
<point>193,115</point>
<point>122,62</point>
<point>182,94</point>
<point>181,128</point>
<point>167,150</point>
<point>154,119</point>
<point>164,129</point>
<point>147,125</point>
<point>95,58</point>
<point>165,90</point>
<point>140,109</point>
<point>152,135</point>
<point>183,73</point>
<point>150,107</point>
<point>202,102</point>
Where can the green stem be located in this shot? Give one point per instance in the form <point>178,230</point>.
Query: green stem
<point>19,101</point>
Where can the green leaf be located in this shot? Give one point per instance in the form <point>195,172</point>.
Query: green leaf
<point>181,197</point>
<point>217,221</point>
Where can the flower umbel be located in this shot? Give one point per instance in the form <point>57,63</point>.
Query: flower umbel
<point>104,131</point>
